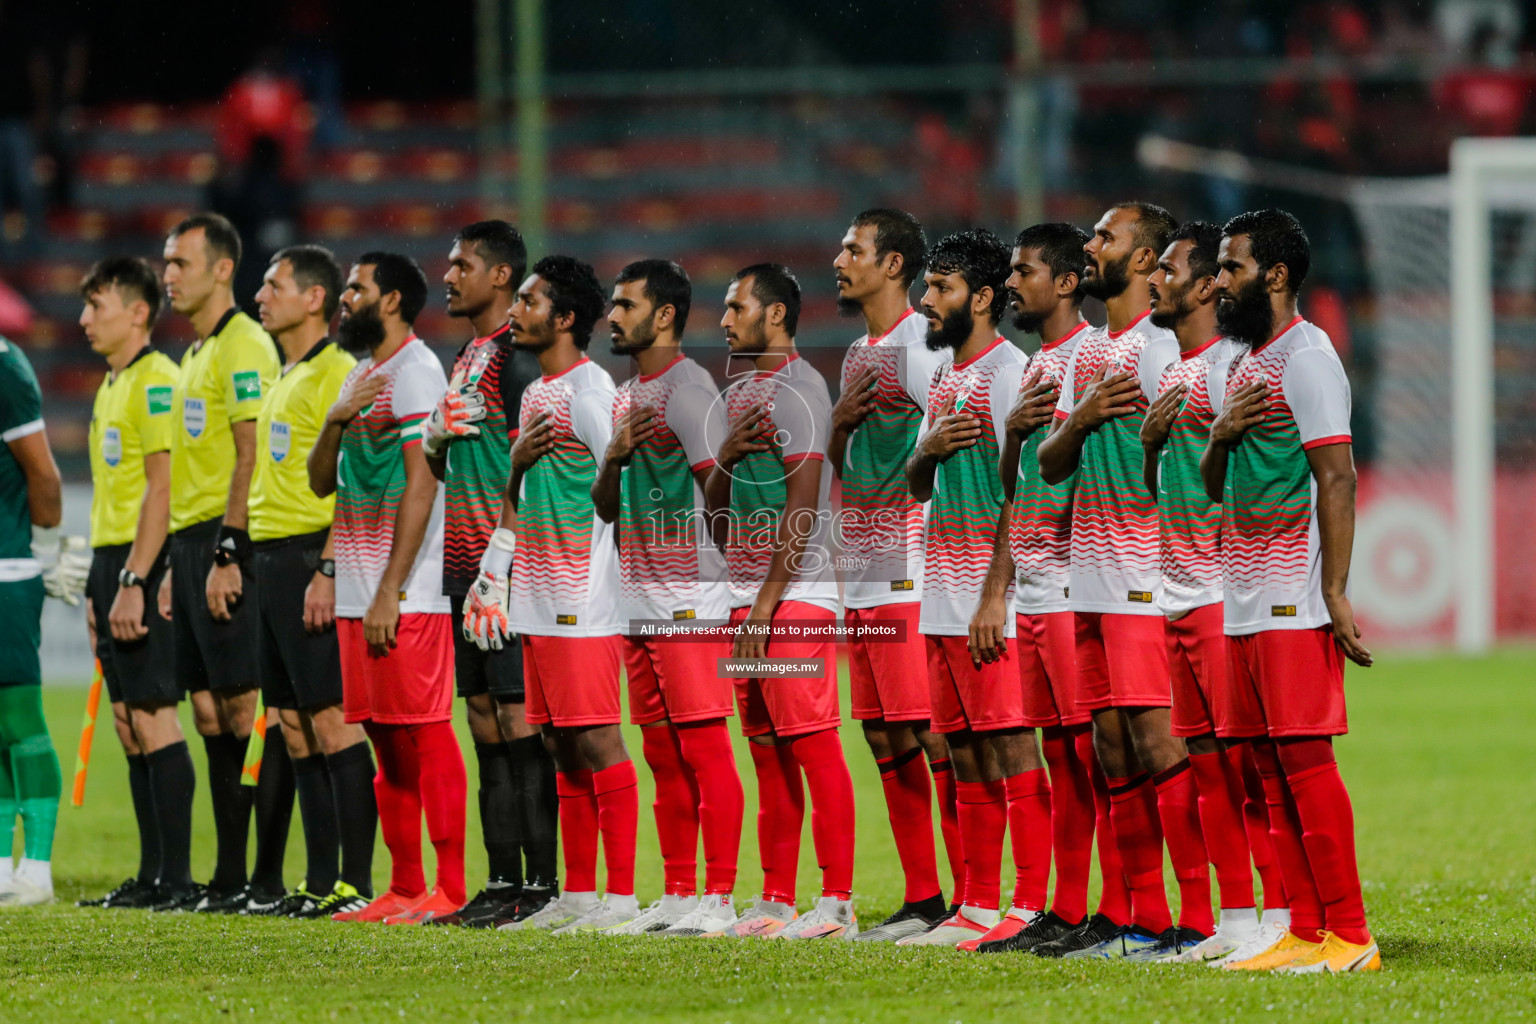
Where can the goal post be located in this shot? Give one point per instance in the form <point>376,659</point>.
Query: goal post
<point>1477,167</point>
<point>1442,548</point>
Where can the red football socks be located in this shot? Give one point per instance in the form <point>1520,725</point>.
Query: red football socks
<point>578,829</point>
<point>1285,833</point>
<point>1256,823</point>
<point>949,825</point>
<point>618,815</point>
<point>706,748</point>
<point>444,791</point>
<point>1115,898</point>
<point>983,808</point>
<point>780,817</point>
<point>1133,812</point>
<point>397,790</point>
<point>1221,822</point>
<point>1029,827</point>
<point>1328,823</point>
<point>832,813</point>
<point>909,807</point>
<point>676,809</point>
<point>1179,815</point>
<point>1072,817</point>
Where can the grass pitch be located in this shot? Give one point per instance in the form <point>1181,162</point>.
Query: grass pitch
<point>1440,765</point>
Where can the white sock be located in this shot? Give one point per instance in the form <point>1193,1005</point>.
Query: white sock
<point>5,870</point>
<point>1238,922</point>
<point>980,915</point>
<point>625,901</point>
<point>579,901</point>
<point>775,908</point>
<point>675,904</point>
<point>1025,914</point>
<point>38,872</point>
<point>835,905</point>
<point>718,901</point>
<point>1280,916</point>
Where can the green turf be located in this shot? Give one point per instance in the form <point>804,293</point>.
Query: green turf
<point>1440,766</point>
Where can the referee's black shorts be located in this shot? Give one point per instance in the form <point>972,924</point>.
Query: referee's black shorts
<point>210,655</point>
<point>498,673</point>
<point>140,671</point>
<point>300,671</point>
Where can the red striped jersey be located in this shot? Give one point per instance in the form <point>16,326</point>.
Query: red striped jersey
<point>1270,555</point>
<point>968,496</point>
<point>478,466</point>
<point>669,567</point>
<point>881,524</point>
<point>1189,522</point>
<point>1115,565</point>
<point>1040,536</point>
<point>370,483</point>
<point>796,429</point>
<point>564,579</point>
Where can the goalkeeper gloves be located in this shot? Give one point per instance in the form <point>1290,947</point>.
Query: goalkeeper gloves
<point>486,604</point>
<point>456,414</point>
<point>66,562</point>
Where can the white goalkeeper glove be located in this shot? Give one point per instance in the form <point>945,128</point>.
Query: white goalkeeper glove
<point>66,563</point>
<point>456,414</point>
<point>486,605</point>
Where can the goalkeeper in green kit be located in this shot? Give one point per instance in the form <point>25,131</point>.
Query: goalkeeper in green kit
<point>34,560</point>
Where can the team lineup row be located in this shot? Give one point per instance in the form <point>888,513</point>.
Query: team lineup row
<point>1135,540</point>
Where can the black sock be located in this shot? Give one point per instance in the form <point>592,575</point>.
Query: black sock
<point>499,820</point>
<point>357,815</point>
<point>538,807</point>
<point>274,812</point>
<point>317,811</point>
<point>144,815</point>
<point>172,781</point>
<point>231,809</point>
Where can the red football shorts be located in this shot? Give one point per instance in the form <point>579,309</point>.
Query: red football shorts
<point>677,679</point>
<point>888,680</point>
<point>411,684</point>
<point>791,707</point>
<point>1047,657</point>
<point>571,680</point>
<point>1122,661</point>
<point>1204,700</point>
<point>964,695</point>
<point>1289,682</point>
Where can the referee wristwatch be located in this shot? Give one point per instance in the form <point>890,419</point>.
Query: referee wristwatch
<point>129,578</point>
<point>327,568</point>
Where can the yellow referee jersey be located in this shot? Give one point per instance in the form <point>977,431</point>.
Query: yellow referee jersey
<point>222,382</point>
<point>130,420</point>
<point>282,505</point>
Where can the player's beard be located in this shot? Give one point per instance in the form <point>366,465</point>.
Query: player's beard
<point>847,306</point>
<point>1168,314</point>
<point>954,328</point>
<point>640,338</point>
<point>1246,315</point>
<point>751,338</point>
<point>361,331</point>
<point>1024,320</point>
<point>535,339</point>
<point>1113,279</point>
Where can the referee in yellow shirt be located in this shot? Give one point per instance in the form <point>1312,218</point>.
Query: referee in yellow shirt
<point>296,598</point>
<point>223,379</point>
<point>130,444</point>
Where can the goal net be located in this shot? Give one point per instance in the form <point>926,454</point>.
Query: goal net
<point>1444,548</point>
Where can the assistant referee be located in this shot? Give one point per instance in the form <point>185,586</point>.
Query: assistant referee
<point>296,593</point>
<point>130,443</point>
<point>223,379</point>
